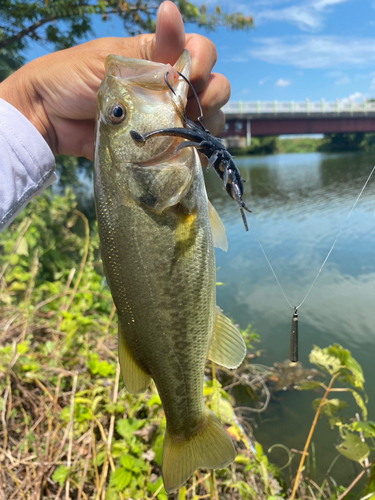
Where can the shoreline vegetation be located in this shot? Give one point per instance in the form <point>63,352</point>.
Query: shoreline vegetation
<point>70,430</point>
<point>329,143</point>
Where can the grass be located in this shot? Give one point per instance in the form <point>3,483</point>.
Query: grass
<point>69,429</point>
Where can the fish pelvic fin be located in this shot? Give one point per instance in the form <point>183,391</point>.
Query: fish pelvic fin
<point>210,447</point>
<point>135,379</point>
<point>227,347</point>
<point>217,228</point>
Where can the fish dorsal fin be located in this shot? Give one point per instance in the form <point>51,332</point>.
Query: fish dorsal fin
<point>135,379</point>
<point>217,229</point>
<point>228,347</point>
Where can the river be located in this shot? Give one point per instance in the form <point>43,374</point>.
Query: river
<point>299,203</point>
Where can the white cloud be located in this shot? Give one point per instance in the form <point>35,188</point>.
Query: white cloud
<point>244,91</point>
<point>308,15</point>
<point>303,17</point>
<point>282,83</point>
<point>343,80</point>
<point>356,97</point>
<point>315,52</point>
<point>322,4</point>
<point>262,81</point>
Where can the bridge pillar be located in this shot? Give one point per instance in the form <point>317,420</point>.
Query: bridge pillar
<point>248,133</point>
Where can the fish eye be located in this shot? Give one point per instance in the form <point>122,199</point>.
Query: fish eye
<point>117,113</point>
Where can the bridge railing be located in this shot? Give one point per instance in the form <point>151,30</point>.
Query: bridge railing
<point>291,107</point>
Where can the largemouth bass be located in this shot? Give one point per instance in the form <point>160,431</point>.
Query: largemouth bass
<point>157,232</point>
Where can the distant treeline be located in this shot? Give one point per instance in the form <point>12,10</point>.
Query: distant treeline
<point>329,143</point>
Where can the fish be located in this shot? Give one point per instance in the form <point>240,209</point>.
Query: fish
<point>157,234</point>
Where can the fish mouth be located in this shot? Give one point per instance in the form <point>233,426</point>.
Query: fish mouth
<point>147,74</point>
<point>170,153</point>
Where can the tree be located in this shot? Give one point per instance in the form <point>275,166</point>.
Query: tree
<point>63,23</point>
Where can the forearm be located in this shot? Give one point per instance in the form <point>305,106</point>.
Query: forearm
<point>26,162</point>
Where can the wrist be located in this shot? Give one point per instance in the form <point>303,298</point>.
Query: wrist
<point>18,90</point>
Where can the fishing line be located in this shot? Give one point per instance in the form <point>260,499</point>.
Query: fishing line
<point>293,352</point>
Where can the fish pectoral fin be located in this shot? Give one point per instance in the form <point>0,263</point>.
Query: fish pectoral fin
<point>135,378</point>
<point>217,228</point>
<point>210,447</point>
<point>227,347</point>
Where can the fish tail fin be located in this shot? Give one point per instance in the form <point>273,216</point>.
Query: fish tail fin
<point>210,447</point>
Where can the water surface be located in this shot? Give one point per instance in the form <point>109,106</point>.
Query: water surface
<point>299,203</point>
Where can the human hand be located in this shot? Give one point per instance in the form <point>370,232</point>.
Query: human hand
<point>57,92</point>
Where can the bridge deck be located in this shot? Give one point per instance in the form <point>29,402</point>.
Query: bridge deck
<point>246,119</point>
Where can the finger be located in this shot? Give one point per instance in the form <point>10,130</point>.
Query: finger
<point>212,98</point>
<point>203,58</point>
<point>169,40</point>
<point>215,123</point>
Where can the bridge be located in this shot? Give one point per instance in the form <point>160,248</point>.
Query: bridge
<point>247,119</point>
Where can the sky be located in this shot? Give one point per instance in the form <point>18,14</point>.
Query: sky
<point>298,49</point>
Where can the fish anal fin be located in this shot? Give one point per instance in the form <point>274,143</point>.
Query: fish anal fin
<point>210,447</point>
<point>217,228</point>
<point>227,347</point>
<point>135,379</point>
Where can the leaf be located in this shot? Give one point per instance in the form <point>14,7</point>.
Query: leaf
<point>23,248</point>
<point>324,360</point>
<point>225,411</point>
<point>368,428</point>
<point>354,448</point>
<point>182,493</point>
<point>307,385</point>
<point>360,403</point>
<point>336,360</point>
<point>126,427</point>
<point>127,461</point>
<point>154,400</point>
<point>153,487</point>
<point>120,478</point>
<point>330,406</point>
<point>14,259</point>
<point>234,433</point>
<point>60,474</point>
<point>111,494</point>
<point>100,458</point>
<point>241,459</point>
<point>158,449</point>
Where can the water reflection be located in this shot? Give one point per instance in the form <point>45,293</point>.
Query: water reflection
<point>299,203</point>
<point>286,182</point>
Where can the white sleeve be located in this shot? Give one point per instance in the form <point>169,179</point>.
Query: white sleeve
<point>27,165</point>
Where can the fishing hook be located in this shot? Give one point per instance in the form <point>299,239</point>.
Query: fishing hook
<point>197,136</point>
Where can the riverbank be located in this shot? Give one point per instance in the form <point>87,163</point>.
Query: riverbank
<point>329,143</point>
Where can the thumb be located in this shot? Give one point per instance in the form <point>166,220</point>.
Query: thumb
<point>169,40</point>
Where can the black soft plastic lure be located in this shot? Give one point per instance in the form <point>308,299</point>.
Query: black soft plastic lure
<point>197,136</point>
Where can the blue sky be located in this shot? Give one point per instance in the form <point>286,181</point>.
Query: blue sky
<point>299,49</point>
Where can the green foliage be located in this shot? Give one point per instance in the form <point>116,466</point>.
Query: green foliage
<point>338,361</point>
<point>67,416</point>
<point>64,23</point>
<point>343,368</point>
<point>259,146</point>
<point>329,143</point>
<point>60,474</point>
<point>299,145</point>
<point>359,141</point>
